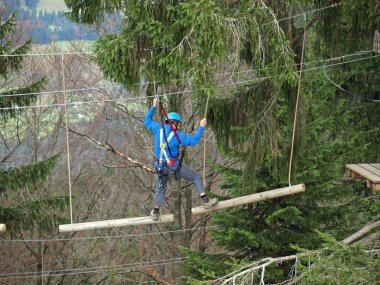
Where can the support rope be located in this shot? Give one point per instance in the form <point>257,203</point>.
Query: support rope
<point>297,102</point>
<point>204,144</point>
<point>67,134</point>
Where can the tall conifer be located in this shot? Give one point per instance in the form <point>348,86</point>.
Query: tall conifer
<point>20,209</point>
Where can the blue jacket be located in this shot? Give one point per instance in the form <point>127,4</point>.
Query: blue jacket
<point>186,140</point>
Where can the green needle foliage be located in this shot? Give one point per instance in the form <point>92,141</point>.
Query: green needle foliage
<point>27,176</point>
<point>339,264</point>
<point>22,207</point>
<point>182,40</point>
<point>10,64</point>
<point>334,128</point>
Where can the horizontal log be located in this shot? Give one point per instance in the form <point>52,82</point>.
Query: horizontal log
<point>114,223</point>
<point>257,197</point>
<point>363,231</point>
<point>195,211</point>
<point>3,228</point>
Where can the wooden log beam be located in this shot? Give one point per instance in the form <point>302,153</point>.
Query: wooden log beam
<point>3,228</point>
<point>257,197</point>
<point>114,223</point>
<point>195,211</point>
<point>365,230</point>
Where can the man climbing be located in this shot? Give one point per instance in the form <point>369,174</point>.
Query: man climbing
<point>167,139</point>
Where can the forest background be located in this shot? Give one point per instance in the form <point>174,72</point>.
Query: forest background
<point>243,58</point>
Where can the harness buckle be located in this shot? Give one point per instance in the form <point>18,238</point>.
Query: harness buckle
<point>162,146</point>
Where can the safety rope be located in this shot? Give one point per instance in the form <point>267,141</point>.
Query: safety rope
<point>67,133</point>
<point>164,112</point>
<point>297,102</point>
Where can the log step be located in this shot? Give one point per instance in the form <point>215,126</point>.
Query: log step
<point>257,197</point>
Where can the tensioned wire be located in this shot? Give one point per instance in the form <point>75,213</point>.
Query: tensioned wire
<point>105,237</point>
<point>95,269</point>
<point>250,70</point>
<point>173,80</point>
<point>179,92</point>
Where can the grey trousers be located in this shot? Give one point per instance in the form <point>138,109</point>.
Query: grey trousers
<point>163,178</point>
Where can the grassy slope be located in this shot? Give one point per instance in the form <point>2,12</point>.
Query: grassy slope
<point>52,5</point>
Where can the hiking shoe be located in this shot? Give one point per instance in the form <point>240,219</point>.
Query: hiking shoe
<point>155,215</point>
<point>210,203</point>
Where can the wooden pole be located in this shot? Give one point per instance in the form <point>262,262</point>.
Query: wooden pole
<point>3,228</point>
<point>114,223</point>
<point>290,190</point>
<point>250,199</point>
<point>376,42</point>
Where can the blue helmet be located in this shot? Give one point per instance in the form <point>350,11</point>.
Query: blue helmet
<point>173,116</point>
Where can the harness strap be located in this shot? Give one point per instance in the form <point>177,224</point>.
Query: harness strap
<point>163,146</point>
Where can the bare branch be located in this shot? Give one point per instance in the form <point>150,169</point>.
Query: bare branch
<point>107,147</point>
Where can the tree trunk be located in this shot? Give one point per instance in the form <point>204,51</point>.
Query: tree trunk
<point>188,217</point>
<point>202,234</point>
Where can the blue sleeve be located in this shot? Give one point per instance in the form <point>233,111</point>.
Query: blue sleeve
<point>188,140</point>
<point>151,125</point>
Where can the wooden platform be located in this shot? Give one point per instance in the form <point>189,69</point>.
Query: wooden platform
<point>370,172</point>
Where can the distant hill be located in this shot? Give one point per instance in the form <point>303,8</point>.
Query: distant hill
<point>45,22</point>
<point>52,5</point>
<point>47,5</point>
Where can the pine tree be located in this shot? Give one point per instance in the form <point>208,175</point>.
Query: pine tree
<point>8,64</point>
<point>166,40</point>
<point>19,210</point>
<point>327,139</point>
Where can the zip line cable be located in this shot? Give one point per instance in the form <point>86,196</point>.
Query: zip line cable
<point>95,269</point>
<point>341,88</point>
<point>297,102</point>
<point>95,88</point>
<point>311,11</point>
<point>179,92</point>
<point>106,237</point>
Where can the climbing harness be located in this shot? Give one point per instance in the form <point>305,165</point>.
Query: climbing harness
<point>163,145</point>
